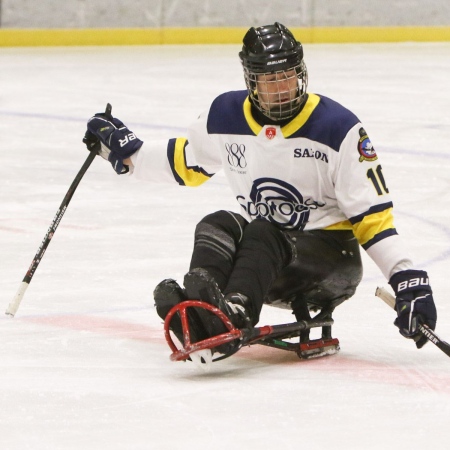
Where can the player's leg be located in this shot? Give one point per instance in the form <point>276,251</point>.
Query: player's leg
<point>263,251</point>
<point>216,238</point>
<point>215,241</point>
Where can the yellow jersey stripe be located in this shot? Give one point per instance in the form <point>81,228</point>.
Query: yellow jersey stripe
<point>252,123</point>
<point>372,225</point>
<point>298,121</point>
<point>290,128</point>
<point>190,176</point>
<point>344,225</point>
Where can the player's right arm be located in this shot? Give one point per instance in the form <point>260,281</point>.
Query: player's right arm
<point>186,161</point>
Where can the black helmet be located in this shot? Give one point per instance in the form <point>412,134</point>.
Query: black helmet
<point>272,49</point>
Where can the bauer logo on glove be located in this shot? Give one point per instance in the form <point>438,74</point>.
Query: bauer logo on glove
<point>413,283</point>
<point>414,304</point>
<point>130,137</point>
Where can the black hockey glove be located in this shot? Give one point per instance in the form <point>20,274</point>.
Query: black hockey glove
<point>112,140</point>
<point>414,304</point>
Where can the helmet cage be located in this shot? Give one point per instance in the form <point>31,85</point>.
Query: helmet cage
<point>274,93</point>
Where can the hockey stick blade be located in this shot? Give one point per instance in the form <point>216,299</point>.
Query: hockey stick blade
<point>389,299</point>
<point>13,306</point>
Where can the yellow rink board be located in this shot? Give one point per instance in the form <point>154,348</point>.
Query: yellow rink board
<point>157,36</point>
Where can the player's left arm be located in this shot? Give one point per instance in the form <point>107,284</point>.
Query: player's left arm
<point>363,195</point>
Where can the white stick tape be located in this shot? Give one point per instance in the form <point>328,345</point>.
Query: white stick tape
<point>15,302</point>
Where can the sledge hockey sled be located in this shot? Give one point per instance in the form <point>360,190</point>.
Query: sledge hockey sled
<point>277,336</point>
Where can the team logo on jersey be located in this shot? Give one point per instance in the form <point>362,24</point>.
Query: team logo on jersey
<point>278,202</point>
<point>271,132</point>
<point>365,147</point>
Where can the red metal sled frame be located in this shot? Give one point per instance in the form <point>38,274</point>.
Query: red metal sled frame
<point>269,335</point>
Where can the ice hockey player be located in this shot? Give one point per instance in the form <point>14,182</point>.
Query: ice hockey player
<point>310,188</point>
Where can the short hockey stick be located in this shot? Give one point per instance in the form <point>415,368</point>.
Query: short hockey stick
<point>389,299</point>
<point>15,302</point>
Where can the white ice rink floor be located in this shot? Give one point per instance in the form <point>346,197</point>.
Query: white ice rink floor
<point>84,364</point>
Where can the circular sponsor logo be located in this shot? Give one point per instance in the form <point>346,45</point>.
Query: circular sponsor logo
<point>280,203</point>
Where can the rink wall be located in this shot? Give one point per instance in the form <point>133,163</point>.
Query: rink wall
<point>128,22</point>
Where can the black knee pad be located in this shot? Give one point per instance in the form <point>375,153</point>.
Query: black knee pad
<point>220,232</point>
<point>222,222</point>
<point>216,239</point>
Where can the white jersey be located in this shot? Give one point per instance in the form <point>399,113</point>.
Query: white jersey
<point>319,171</point>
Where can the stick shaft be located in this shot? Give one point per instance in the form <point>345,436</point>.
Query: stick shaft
<point>14,305</point>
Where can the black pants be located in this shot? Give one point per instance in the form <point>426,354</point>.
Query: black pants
<point>287,269</point>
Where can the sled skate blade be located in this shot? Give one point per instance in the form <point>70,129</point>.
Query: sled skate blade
<point>318,348</point>
<point>202,359</point>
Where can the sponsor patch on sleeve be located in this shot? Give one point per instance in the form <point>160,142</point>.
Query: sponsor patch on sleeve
<point>365,147</point>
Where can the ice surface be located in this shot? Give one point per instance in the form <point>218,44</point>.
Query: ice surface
<point>84,364</point>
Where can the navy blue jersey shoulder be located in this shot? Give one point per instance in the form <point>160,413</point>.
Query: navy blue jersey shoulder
<point>328,124</point>
<point>226,115</point>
